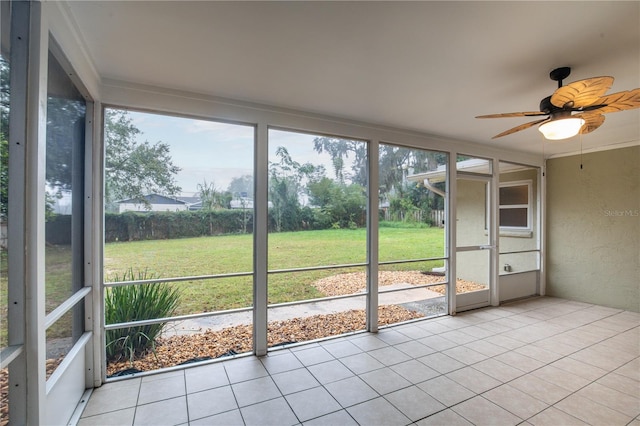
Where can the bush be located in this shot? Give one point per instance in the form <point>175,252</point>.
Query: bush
<point>136,303</point>
<point>136,226</point>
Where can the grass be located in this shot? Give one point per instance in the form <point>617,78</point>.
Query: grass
<point>234,253</point>
<point>57,290</point>
<point>4,298</point>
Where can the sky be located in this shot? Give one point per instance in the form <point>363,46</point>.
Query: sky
<point>213,152</point>
<point>217,152</point>
<point>204,150</point>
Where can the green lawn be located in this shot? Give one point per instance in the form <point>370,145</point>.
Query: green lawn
<point>4,298</point>
<point>233,253</point>
<point>57,290</point>
<point>230,254</point>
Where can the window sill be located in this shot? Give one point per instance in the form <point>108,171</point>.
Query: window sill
<point>513,233</point>
<point>516,233</point>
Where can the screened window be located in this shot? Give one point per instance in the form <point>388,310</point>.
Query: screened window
<point>178,236</point>
<point>64,210</point>
<point>515,205</point>
<point>317,241</point>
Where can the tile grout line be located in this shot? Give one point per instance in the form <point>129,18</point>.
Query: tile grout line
<point>615,330</point>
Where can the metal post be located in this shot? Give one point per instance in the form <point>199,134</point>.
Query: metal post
<point>450,229</point>
<point>372,236</point>
<point>93,244</point>
<point>494,234</point>
<point>260,230</point>
<point>29,41</point>
<point>542,227</point>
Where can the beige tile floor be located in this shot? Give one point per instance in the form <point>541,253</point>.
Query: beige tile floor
<point>542,361</point>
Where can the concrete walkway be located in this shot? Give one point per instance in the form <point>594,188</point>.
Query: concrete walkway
<point>417,299</point>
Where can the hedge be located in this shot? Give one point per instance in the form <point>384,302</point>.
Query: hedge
<point>131,226</point>
<point>136,226</point>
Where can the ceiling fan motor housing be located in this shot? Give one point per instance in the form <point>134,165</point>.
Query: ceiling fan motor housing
<point>555,112</point>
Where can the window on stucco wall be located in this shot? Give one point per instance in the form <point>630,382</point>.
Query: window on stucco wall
<point>515,205</point>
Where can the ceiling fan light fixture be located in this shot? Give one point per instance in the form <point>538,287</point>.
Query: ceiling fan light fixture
<point>561,128</point>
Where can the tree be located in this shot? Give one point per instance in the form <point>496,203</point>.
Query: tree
<point>284,186</point>
<point>395,164</point>
<point>241,185</point>
<point>343,204</point>
<point>321,191</point>
<point>212,198</point>
<point>134,169</point>
<point>4,176</point>
<point>414,199</point>
<point>287,183</point>
<point>339,149</point>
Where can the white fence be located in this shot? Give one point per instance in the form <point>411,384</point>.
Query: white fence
<point>436,217</point>
<point>3,235</point>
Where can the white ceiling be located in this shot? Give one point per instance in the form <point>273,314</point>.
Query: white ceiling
<point>425,66</point>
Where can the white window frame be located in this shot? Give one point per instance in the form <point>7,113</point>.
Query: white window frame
<point>529,206</point>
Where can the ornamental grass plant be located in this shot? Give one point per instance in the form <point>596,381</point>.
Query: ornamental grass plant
<point>139,302</point>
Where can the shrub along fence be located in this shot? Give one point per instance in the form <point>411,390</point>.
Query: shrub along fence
<point>132,226</point>
<point>58,230</point>
<point>136,226</point>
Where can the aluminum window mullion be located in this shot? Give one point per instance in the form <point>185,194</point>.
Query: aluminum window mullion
<point>27,142</point>
<point>75,351</point>
<point>9,353</point>
<point>141,323</point>
<point>316,268</point>
<point>416,286</point>
<point>66,306</point>
<point>373,179</point>
<point>260,242</point>
<point>94,243</point>
<point>16,309</point>
<point>397,262</point>
<point>450,206</point>
<point>176,279</point>
<point>541,218</point>
<point>494,233</point>
<point>318,299</point>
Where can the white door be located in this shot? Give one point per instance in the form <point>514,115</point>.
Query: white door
<point>474,250</point>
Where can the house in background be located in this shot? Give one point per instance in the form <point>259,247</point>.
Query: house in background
<point>193,202</point>
<point>162,203</point>
<point>153,203</point>
<point>245,203</point>
<point>241,203</point>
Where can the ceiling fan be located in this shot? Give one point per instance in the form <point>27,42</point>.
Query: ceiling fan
<point>578,107</point>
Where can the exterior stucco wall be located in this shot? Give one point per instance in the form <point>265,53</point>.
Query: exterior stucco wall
<point>593,228</point>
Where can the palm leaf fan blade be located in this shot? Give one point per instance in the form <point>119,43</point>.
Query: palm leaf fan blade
<point>582,92</point>
<point>520,127</point>
<point>591,122</point>
<point>620,101</point>
<point>513,114</point>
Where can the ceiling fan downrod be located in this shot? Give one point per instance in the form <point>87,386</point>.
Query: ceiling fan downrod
<point>560,74</point>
